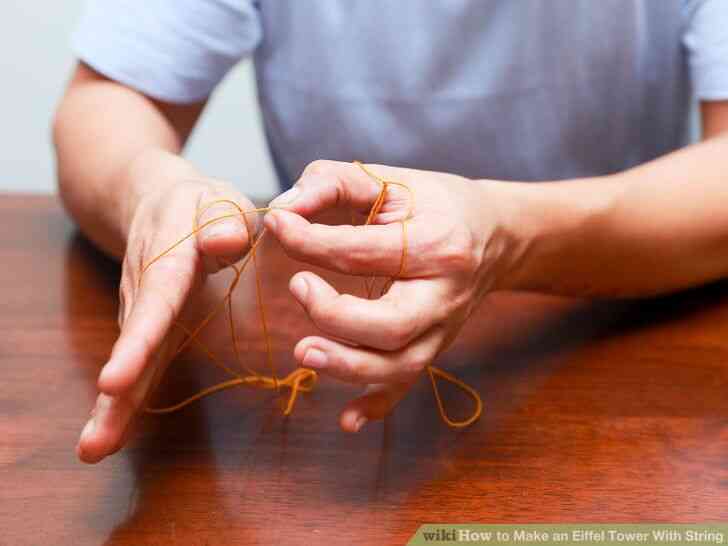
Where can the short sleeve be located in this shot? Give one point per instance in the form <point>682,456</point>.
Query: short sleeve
<point>706,40</point>
<point>172,50</point>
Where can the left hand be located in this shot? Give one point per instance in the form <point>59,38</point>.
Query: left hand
<point>458,249</point>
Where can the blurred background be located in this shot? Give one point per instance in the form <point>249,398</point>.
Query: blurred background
<point>228,142</point>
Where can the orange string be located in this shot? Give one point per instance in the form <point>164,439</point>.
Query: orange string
<point>301,379</point>
<point>432,371</point>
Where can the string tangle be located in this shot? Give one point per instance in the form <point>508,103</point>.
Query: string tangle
<point>301,379</point>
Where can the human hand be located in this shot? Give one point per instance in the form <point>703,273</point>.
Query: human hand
<point>150,303</point>
<point>457,249</point>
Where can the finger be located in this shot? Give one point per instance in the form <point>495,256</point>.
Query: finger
<point>163,290</point>
<point>376,403</point>
<point>358,250</point>
<point>365,366</point>
<point>226,227</point>
<point>104,432</point>
<point>388,323</point>
<point>327,184</point>
<point>354,250</point>
<point>111,420</point>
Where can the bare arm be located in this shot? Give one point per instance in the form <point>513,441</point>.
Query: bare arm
<point>113,144</point>
<point>656,228</point>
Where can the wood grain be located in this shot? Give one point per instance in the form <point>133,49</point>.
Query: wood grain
<point>594,412</point>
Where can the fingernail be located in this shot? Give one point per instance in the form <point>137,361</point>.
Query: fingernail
<point>299,287</point>
<point>360,423</point>
<point>286,198</point>
<point>315,358</point>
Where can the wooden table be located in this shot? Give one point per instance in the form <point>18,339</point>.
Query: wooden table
<point>595,412</point>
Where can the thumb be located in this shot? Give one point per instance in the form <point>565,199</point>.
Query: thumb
<point>226,226</point>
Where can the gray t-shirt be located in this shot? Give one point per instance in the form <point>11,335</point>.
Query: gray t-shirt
<point>507,89</point>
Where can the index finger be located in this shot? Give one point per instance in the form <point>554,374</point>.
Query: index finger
<point>379,247</point>
<point>354,250</point>
<point>389,323</point>
<point>162,292</point>
<point>328,184</point>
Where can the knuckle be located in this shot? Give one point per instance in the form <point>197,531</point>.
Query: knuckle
<point>335,259</point>
<point>403,331</point>
<point>417,359</point>
<point>128,281</point>
<point>346,253</point>
<point>355,370</point>
<point>458,251</point>
<point>396,337</point>
<point>323,313</point>
<point>125,285</point>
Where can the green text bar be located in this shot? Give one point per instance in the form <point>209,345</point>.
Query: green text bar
<point>436,534</point>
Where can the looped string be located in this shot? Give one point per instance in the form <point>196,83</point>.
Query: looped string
<point>432,371</point>
<point>301,379</point>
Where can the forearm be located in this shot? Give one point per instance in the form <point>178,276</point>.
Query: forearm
<point>112,145</point>
<point>653,229</point>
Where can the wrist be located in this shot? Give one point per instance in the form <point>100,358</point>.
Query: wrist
<point>544,227</point>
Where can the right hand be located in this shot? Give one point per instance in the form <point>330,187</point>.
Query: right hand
<point>150,305</point>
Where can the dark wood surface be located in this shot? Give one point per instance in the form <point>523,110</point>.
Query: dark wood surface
<point>594,412</point>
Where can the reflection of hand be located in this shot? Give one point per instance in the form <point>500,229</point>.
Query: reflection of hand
<point>149,308</point>
<point>455,253</point>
